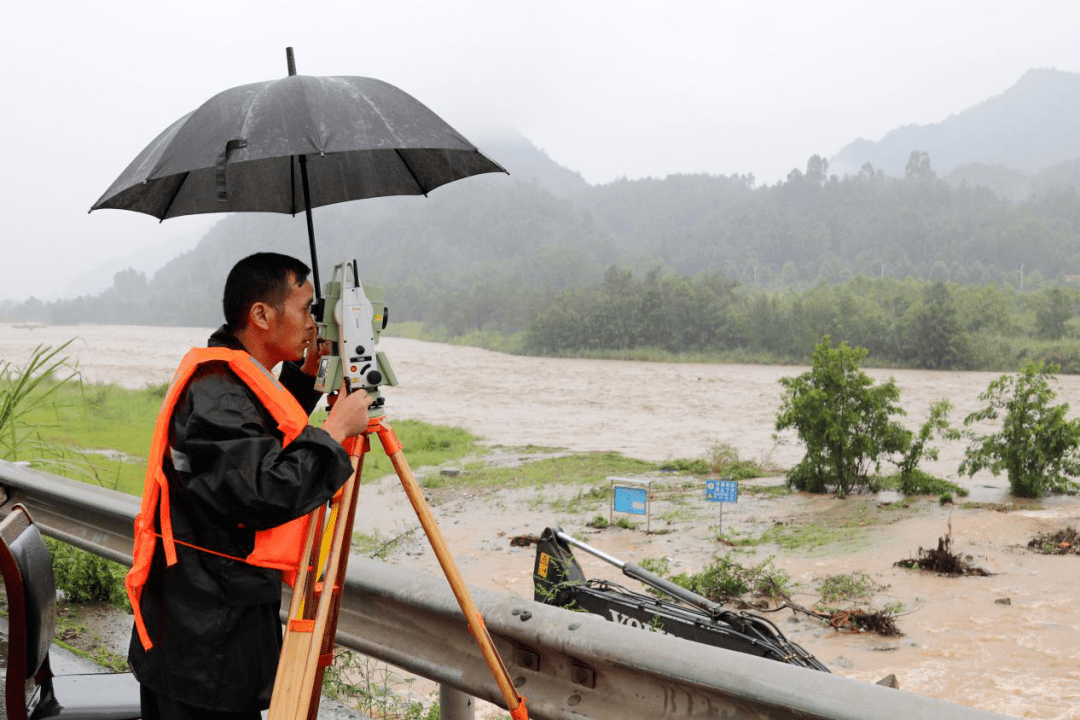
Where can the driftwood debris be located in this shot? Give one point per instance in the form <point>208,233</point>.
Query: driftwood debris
<point>941,560</point>
<point>1063,542</point>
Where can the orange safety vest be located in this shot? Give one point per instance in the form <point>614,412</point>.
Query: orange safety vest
<point>280,547</point>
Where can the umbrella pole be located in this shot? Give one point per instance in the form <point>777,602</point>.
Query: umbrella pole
<point>290,60</point>
<point>310,227</point>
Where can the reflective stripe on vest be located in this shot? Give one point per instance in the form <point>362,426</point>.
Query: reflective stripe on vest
<point>279,548</point>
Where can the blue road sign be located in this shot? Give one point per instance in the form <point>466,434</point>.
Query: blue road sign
<point>630,500</point>
<point>722,491</point>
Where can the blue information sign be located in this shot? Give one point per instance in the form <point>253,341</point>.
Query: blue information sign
<point>630,500</point>
<point>722,491</point>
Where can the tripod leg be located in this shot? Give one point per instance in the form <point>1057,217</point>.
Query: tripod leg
<point>514,702</point>
<point>326,654</point>
<point>311,629</point>
<point>296,644</point>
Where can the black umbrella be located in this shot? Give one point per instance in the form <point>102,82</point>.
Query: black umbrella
<point>294,144</point>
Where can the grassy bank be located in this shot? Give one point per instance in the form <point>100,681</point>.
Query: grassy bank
<point>101,434</point>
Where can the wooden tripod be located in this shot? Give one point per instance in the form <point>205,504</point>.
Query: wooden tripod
<point>308,647</point>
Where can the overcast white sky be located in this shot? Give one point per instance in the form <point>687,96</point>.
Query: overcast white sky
<point>610,89</point>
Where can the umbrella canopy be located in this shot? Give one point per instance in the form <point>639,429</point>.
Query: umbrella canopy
<point>241,150</point>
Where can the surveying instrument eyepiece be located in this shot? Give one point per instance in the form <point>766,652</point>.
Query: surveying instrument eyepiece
<point>353,317</point>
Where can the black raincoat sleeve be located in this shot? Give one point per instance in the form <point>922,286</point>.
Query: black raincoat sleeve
<point>300,385</point>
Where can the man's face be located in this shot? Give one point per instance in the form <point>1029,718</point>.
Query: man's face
<point>292,327</point>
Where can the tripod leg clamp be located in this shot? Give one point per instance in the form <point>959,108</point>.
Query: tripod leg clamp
<point>389,438</point>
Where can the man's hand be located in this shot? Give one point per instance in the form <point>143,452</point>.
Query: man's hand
<point>348,415</point>
<point>316,348</point>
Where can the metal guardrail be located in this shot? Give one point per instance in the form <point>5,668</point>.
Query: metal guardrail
<point>567,665</point>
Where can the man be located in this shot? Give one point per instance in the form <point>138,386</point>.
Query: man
<point>234,464</point>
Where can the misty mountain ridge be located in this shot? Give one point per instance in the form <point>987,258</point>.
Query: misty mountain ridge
<point>1030,127</point>
<point>524,161</point>
<point>545,215</point>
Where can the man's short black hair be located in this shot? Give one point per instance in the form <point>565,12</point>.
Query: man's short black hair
<point>262,277</point>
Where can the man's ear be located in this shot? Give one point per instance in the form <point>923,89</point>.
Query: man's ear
<point>260,315</point>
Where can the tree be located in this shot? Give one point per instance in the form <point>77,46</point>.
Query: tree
<point>817,171</point>
<point>1054,310</point>
<point>918,167</point>
<point>933,335</point>
<point>843,418</point>
<point>130,284</point>
<point>1036,446</point>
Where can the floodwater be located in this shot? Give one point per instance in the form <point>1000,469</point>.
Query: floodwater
<point>1008,643</point>
<point>648,410</point>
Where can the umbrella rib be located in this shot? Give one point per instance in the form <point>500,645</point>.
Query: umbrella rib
<point>292,184</point>
<point>172,199</point>
<point>405,162</point>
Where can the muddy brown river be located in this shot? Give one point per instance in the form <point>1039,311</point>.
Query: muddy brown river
<point>1008,643</point>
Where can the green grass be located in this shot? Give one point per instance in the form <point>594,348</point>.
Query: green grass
<point>102,417</point>
<point>766,490</point>
<point>103,430</point>
<point>25,389</point>
<point>87,421</point>
<point>423,444</point>
<point>924,484</point>
<point>853,588</point>
<point>722,460</point>
<point>579,469</point>
<point>600,522</point>
<point>379,546</point>
<point>815,536</point>
<point>585,500</point>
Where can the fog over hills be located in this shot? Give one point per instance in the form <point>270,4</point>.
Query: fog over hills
<point>1029,127</point>
<point>1020,143</point>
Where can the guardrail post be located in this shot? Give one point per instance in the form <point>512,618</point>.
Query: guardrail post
<point>455,705</point>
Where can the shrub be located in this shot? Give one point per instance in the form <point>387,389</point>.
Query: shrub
<point>721,460</point>
<point>842,418</point>
<point>1036,446</point>
<point>914,481</point>
<point>725,579</point>
<point>85,577</point>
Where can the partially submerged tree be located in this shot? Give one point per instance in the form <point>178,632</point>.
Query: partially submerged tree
<point>843,418</point>
<point>1037,446</point>
<point>914,481</point>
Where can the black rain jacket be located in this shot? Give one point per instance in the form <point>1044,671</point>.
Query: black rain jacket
<point>215,621</point>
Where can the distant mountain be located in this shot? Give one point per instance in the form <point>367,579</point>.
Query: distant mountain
<point>526,164</point>
<point>524,161</point>
<point>167,244</point>
<point>1029,127</point>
